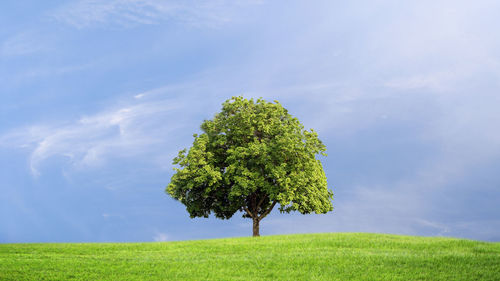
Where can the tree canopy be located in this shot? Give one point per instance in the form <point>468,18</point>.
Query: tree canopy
<point>250,157</point>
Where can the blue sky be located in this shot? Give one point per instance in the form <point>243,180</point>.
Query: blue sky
<point>98,97</point>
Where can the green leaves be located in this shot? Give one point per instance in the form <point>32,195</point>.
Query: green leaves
<point>251,154</point>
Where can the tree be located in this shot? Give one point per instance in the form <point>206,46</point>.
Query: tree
<point>250,157</point>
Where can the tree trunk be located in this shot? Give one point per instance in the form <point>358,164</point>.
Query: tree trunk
<point>256,227</point>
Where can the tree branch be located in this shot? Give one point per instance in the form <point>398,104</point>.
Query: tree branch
<point>248,212</point>
<point>267,211</point>
<point>254,202</point>
<point>260,202</point>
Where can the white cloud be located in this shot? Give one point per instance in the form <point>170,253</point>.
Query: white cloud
<point>124,13</point>
<point>125,131</point>
<point>437,82</point>
<point>160,237</point>
<point>22,44</point>
<point>440,227</point>
<point>111,216</point>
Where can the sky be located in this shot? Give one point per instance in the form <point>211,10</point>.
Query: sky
<point>97,98</point>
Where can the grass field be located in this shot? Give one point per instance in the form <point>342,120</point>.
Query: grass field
<point>338,256</point>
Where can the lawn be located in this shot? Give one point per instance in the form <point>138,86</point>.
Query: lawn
<point>332,256</point>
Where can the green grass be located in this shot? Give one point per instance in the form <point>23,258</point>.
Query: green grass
<point>338,256</point>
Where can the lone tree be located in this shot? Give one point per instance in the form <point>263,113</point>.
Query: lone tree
<point>250,157</point>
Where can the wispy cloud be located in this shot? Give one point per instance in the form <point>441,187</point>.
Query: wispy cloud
<point>160,237</point>
<point>438,82</point>
<point>88,142</point>
<point>22,44</point>
<point>126,13</point>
